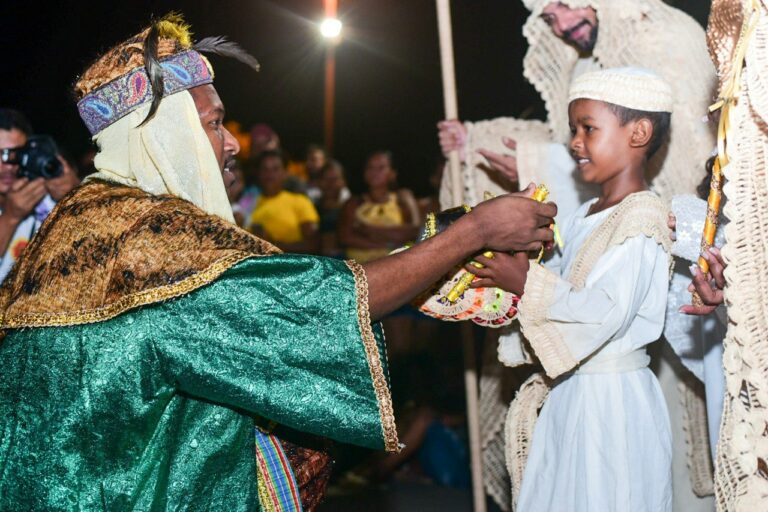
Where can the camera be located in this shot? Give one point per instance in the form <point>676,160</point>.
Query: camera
<point>36,159</point>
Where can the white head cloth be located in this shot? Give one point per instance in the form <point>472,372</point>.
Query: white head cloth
<point>628,87</point>
<point>170,154</point>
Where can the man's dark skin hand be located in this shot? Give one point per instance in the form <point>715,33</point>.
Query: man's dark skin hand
<point>512,222</point>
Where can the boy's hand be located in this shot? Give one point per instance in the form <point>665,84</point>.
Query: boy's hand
<point>504,271</point>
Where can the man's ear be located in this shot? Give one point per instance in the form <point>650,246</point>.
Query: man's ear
<point>642,133</point>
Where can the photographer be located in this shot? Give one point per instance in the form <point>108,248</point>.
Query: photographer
<point>25,202</point>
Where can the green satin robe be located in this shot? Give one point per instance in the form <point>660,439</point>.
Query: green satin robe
<point>154,409</point>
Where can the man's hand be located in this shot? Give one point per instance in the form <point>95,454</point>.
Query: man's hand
<point>22,199</point>
<point>453,137</point>
<point>709,286</point>
<point>511,222</point>
<point>514,222</point>
<point>504,271</point>
<point>61,185</point>
<point>504,164</point>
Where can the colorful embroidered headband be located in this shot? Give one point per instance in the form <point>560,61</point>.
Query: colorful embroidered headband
<point>125,94</point>
<point>158,61</point>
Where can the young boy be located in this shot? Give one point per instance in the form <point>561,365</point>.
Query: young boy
<point>602,440</point>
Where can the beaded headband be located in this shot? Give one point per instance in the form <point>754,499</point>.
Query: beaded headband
<point>108,103</point>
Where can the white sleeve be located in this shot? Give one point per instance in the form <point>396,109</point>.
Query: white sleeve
<point>565,325</point>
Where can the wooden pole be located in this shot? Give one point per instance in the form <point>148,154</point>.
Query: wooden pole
<point>454,166</point>
<point>330,92</point>
<point>331,10</point>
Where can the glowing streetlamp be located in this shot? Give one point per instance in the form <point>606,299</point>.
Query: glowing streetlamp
<point>330,28</point>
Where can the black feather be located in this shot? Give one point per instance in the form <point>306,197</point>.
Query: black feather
<point>220,45</point>
<point>154,71</point>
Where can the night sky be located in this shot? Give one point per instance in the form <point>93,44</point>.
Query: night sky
<point>388,94</point>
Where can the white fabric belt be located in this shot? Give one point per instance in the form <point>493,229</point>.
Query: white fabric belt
<point>616,363</point>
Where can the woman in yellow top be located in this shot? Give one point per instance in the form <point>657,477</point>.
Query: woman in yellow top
<point>284,218</point>
<point>380,220</point>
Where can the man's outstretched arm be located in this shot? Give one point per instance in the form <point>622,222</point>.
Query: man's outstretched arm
<point>508,223</point>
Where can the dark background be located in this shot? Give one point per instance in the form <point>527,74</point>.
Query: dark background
<point>388,92</point>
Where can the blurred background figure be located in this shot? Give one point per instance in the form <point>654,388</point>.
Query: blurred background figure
<point>287,219</point>
<point>263,138</point>
<point>431,203</point>
<point>332,185</point>
<point>316,158</point>
<point>383,217</point>
<point>26,198</point>
<point>235,194</point>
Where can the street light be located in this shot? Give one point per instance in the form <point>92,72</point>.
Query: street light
<point>330,28</point>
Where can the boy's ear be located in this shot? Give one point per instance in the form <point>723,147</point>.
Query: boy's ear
<point>642,133</point>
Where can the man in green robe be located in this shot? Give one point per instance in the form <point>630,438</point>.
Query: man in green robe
<point>145,335</point>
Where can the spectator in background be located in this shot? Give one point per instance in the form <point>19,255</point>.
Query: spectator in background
<point>381,219</point>
<point>235,193</point>
<point>333,194</point>
<point>263,138</point>
<point>431,203</point>
<point>24,204</point>
<point>248,198</point>
<point>316,158</point>
<point>287,219</point>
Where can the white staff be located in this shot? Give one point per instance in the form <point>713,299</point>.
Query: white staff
<point>454,167</point>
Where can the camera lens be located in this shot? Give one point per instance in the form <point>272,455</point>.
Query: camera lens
<point>49,167</point>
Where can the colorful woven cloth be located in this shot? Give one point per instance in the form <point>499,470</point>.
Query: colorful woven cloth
<point>278,491</point>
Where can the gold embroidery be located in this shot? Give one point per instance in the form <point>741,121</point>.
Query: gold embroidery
<point>128,302</point>
<point>108,248</point>
<point>380,385</point>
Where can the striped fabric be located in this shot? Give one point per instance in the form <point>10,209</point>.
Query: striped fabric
<point>278,491</point>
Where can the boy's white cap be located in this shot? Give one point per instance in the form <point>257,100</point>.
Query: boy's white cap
<point>630,87</point>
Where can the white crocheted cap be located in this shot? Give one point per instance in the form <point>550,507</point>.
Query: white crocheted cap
<point>630,87</point>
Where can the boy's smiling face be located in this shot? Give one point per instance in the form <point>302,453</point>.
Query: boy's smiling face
<point>600,145</point>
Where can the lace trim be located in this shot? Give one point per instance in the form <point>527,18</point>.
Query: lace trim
<point>547,342</point>
<point>696,436</point>
<point>380,386</point>
<point>742,450</point>
<point>518,430</point>
<point>641,213</point>
<point>128,302</point>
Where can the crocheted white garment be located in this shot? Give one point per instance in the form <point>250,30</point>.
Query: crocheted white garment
<point>741,480</point>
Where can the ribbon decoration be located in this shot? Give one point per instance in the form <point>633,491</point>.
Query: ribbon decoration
<point>729,96</point>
